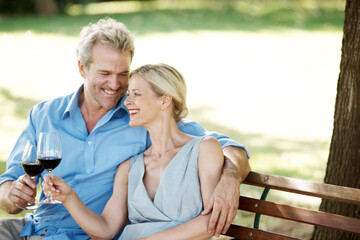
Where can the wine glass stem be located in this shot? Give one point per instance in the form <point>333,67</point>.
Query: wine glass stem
<point>34,179</point>
<point>50,197</point>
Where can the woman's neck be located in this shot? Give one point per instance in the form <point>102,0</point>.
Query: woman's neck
<point>165,136</point>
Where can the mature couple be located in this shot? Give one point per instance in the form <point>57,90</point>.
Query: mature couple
<point>124,157</point>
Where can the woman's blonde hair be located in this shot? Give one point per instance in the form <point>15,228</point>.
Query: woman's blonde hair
<point>111,33</point>
<point>165,79</point>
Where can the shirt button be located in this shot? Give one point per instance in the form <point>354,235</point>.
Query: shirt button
<point>89,143</point>
<point>88,171</point>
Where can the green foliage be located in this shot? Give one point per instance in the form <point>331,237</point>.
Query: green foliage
<point>21,106</point>
<point>228,16</point>
<point>2,165</point>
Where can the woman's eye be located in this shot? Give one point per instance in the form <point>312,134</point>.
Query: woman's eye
<point>137,94</point>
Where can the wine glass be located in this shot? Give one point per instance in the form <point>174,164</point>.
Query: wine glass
<point>31,167</point>
<point>49,154</point>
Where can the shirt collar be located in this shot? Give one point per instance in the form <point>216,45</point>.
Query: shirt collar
<point>73,105</point>
<point>120,109</point>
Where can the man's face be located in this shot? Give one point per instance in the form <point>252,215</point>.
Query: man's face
<point>106,78</point>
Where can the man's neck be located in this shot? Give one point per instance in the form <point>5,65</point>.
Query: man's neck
<point>90,115</point>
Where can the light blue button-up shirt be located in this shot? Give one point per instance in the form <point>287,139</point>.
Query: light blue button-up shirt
<point>89,161</point>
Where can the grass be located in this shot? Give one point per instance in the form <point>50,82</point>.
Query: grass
<point>262,72</point>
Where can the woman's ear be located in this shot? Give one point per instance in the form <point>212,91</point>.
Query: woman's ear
<point>82,69</point>
<point>166,101</point>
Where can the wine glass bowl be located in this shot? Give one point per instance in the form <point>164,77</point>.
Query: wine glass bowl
<point>49,163</point>
<point>31,166</point>
<point>49,154</point>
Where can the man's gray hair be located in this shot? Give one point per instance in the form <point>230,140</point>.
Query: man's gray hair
<point>108,31</point>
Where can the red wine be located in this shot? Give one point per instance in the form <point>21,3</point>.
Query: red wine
<point>32,169</point>
<point>49,163</point>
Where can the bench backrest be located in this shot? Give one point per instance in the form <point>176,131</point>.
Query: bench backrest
<point>320,190</point>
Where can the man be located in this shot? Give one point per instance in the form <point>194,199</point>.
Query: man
<point>96,138</point>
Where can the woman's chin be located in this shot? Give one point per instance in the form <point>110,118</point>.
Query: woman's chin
<point>133,124</point>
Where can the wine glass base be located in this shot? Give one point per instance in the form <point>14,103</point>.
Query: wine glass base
<point>32,206</point>
<point>50,201</point>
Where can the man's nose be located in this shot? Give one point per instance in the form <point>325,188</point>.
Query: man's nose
<point>114,82</point>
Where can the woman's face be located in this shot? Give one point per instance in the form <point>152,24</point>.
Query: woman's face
<point>142,102</point>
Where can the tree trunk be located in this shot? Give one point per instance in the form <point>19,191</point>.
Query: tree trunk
<point>46,7</point>
<point>343,167</point>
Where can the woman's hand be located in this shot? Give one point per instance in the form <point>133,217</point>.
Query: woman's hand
<point>57,187</point>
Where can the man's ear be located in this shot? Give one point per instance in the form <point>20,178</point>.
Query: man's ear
<point>82,69</point>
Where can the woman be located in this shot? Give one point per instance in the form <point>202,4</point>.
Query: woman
<point>163,190</point>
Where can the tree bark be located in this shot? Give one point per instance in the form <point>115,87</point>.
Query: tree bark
<point>343,167</point>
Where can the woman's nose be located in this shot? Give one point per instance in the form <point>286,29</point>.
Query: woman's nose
<point>127,100</point>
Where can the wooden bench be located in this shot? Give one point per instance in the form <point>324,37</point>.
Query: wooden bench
<point>302,215</point>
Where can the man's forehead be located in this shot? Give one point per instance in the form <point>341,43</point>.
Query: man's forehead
<point>122,67</point>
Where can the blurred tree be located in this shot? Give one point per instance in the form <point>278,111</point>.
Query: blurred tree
<point>46,7</point>
<point>41,7</point>
<point>343,167</point>
<point>16,6</point>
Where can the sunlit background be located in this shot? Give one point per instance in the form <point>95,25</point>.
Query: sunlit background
<point>263,72</point>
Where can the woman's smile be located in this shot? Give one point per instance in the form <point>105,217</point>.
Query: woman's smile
<point>133,112</point>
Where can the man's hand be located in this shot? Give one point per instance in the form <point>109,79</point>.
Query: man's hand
<point>223,204</point>
<point>22,191</point>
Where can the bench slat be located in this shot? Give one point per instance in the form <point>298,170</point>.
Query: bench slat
<point>300,214</point>
<point>321,190</point>
<point>246,233</point>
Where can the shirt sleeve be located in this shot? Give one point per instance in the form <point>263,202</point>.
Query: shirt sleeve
<point>13,164</point>
<point>193,128</point>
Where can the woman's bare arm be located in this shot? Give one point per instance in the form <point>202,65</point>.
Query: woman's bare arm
<point>224,202</point>
<point>114,214</point>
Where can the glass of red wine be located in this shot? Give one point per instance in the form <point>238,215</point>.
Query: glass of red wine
<point>31,167</point>
<point>49,154</point>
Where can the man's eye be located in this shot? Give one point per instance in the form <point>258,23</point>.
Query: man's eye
<point>137,94</point>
